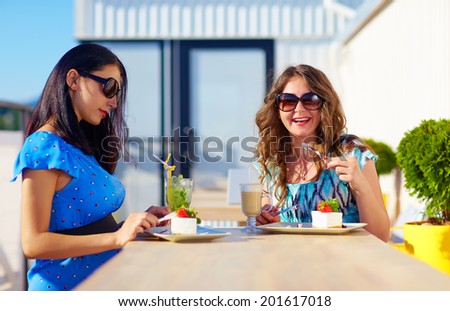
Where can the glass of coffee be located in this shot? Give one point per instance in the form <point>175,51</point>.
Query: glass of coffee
<point>251,195</point>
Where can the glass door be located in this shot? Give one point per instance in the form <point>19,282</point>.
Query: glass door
<point>217,91</point>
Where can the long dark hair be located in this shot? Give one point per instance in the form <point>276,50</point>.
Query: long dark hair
<point>104,141</point>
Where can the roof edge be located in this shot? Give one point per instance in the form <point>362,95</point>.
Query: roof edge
<point>365,15</point>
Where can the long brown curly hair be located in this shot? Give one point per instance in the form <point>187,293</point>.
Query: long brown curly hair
<point>274,144</point>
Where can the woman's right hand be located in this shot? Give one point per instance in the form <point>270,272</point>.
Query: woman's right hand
<point>134,224</point>
<point>265,216</point>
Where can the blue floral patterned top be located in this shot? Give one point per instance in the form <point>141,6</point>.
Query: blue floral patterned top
<point>91,195</point>
<point>306,196</point>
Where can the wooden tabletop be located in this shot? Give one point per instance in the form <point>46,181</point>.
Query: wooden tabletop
<point>268,261</point>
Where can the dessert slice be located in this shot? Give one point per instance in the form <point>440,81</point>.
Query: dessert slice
<point>327,215</point>
<point>185,222</point>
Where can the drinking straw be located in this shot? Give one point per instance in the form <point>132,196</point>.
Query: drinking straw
<point>169,170</point>
<point>166,166</point>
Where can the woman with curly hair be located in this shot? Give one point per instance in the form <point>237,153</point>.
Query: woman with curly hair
<point>305,156</point>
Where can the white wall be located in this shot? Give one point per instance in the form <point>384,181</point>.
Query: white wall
<point>396,72</point>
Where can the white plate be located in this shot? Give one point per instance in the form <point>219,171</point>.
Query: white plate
<point>292,227</point>
<point>203,234</point>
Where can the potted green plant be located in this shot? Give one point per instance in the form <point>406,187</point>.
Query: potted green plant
<point>423,156</point>
<point>387,161</point>
<point>386,164</point>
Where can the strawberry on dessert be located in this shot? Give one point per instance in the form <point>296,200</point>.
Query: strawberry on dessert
<point>182,213</point>
<point>328,206</point>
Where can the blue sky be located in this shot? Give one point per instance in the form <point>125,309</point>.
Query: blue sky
<point>34,34</point>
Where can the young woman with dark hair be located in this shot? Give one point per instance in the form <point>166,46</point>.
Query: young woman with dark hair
<point>69,190</point>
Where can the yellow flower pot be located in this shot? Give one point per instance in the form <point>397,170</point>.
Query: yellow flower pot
<point>428,243</point>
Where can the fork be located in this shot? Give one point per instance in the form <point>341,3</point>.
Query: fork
<point>317,152</point>
<point>167,217</point>
<point>285,210</point>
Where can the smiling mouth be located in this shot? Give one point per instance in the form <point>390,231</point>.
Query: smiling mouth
<point>301,120</point>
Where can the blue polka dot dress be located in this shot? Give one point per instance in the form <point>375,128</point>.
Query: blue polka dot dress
<point>91,195</point>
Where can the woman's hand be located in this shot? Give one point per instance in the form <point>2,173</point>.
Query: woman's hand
<point>265,216</point>
<point>348,170</point>
<point>159,211</point>
<point>135,224</point>
<point>365,186</point>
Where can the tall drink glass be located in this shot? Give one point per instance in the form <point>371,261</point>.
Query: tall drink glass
<point>251,195</point>
<point>178,192</point>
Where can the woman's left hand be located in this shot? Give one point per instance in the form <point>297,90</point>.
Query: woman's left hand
<point>159,211</point>
<point>365,186</point>
<point>348,170</point>
<point>265,215</point>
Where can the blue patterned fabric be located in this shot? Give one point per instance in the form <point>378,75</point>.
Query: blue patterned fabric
<point>91,195</point>
<point>306,196</point>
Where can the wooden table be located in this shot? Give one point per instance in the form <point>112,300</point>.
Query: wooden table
<point>354,261</point>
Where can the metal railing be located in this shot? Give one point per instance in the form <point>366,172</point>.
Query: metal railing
<point>14,116</point>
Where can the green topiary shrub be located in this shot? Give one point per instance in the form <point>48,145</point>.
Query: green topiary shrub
<point>423,155</point>
<point>386,156</point>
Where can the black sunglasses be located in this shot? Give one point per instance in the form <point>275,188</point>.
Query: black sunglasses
<point>110,85</point>
<point>287,102</point>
